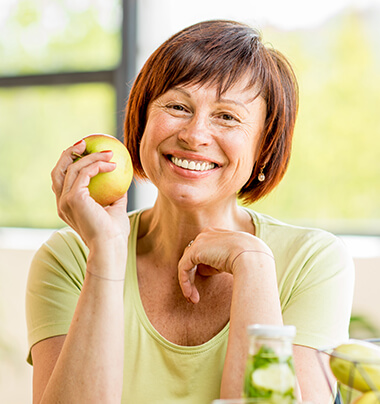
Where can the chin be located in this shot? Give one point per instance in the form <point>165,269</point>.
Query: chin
<point>188,198</point>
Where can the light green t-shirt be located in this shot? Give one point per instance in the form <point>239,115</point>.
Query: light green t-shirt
<point>315,280</point>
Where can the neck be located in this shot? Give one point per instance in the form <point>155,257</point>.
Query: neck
<point>166,229</point>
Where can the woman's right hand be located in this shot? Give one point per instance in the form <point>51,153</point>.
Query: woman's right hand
<point>70,180</point>
<point>65,367</point>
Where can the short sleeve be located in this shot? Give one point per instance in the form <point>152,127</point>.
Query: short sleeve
<point>321,299</point>
<point>54,283</point>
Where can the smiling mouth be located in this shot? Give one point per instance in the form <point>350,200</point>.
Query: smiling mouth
<point>192,164</point>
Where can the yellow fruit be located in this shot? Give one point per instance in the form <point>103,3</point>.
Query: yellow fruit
<point>357,364</point>
<point>371,397</point>
<point>108,187</point>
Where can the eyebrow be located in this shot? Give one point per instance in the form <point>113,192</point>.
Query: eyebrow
<point>219,100</point>
<point>228,101</point>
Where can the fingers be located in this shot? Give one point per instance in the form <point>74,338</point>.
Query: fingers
<point>121,202</point>
<point>186,275</point>
<point>79,174</point>
<point>75,195</point>
<point>191,263</point>
<point>71,177</point>
<point>67,158</point>
<point>117,207</point>
<point>212,253</point>
<point>66,173</point>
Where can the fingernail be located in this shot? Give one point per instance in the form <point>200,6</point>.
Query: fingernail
<point>80,141</point>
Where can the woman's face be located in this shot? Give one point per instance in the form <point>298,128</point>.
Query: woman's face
<point>198,148</point>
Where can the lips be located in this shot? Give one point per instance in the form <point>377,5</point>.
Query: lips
<point>193,165</point>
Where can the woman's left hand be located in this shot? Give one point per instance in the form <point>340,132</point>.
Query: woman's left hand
<point>215,251</point>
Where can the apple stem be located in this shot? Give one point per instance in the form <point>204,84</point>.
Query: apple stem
<point>76,155</point>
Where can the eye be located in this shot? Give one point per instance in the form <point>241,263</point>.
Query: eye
<point>227,117</point>
<point>177,107</point>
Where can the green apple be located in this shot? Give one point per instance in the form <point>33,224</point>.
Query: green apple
<point>371,397</point>
<point>357,364</point>
<point>108,187</point>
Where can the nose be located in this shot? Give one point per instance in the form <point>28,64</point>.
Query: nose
<point>197,132</point>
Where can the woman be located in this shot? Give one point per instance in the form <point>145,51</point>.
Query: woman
<point>153,306</point>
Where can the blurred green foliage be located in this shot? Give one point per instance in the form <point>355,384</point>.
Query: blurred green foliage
<point>333,178</point>
<point>363,328</point>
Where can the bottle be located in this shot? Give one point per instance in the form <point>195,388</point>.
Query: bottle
<point>270,370</point>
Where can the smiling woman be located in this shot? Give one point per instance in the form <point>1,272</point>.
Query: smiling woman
<point>220,132</point>
<point>211,115</point>
<point>187,58</point>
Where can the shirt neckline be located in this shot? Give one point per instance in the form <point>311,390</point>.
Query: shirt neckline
<point>144,320</point>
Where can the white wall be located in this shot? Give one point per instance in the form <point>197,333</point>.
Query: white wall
<point>15,373</point>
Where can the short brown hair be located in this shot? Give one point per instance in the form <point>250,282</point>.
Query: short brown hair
<point>220,53</point>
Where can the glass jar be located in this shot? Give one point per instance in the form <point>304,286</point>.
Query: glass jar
<point>270,370</point>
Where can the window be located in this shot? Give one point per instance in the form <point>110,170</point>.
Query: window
<point>37,124</point>
<point>71,52</point>
<point>64,73</point>
<point>41,36</point>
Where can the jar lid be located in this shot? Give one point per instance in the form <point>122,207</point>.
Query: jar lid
<point>272,331</point>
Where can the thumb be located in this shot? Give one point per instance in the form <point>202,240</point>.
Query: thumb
<point>186,278</point>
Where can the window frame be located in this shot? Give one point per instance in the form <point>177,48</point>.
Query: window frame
<point>118,77</point>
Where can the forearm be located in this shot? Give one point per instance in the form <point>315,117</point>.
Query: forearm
<point>90,365</point>
<point>254,300</point>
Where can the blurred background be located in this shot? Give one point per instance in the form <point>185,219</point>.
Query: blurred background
<point>66,67</point>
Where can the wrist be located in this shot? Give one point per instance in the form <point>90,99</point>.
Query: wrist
<point>246,259</point>
<point>108,259</point>
<point>109,246</point>
<point>103,278</point>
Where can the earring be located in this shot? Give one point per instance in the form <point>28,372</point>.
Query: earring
<point>261,176</point>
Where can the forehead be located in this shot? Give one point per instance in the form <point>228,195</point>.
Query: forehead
<point>243,90</point>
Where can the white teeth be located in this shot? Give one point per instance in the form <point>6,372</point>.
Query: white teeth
<point>192,165</point>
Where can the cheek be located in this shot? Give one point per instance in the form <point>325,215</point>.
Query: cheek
<point>252,147</point>
<point>146,148</point>
<point>156,131</point>
<point>246,153</point>
<point>149,137</point>
<point>243,149</point>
